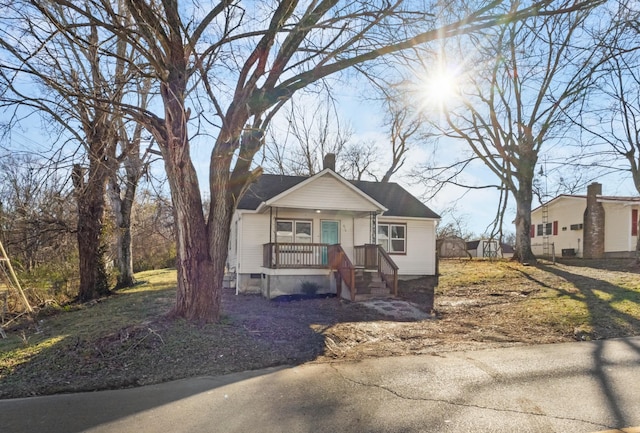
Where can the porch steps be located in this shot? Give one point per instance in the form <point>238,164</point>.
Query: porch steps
<point>369,285</point>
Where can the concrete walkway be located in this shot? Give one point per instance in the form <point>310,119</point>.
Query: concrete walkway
<point>573,387</point>
<point>396,308</point>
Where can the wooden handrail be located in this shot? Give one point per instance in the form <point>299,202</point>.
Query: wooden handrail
<point>372,256</point>
<point>388,270</point>
<point>346,271</point>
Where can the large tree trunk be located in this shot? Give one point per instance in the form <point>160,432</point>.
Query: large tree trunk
<point>124,257</point>
<point>524,197</point>
<point>90,195</point>
<point>122,208</point>
<point>220,215</point>
<point>197,295</point>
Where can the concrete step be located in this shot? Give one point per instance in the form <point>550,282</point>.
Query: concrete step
<point>380,291</point>
<point>370,296</point>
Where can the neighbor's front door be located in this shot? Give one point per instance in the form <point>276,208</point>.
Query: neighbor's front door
<point>329,235</point>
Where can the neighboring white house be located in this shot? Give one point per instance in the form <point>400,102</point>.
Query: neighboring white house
<point>591,225</point>
<point>323,230</point>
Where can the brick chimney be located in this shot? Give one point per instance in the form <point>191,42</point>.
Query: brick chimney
<point>329,161</point>
<point>593,228</point>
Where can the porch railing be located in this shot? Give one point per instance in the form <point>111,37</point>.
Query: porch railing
<point>374,257</point>
<point>388,270</point>
<point>295,255</point>
<point>339,261</point>
<point>325,256</point>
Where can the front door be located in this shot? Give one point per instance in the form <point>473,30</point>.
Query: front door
<point>330,231</point>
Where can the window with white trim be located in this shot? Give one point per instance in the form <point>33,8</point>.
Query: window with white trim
<point>288,231</point>
<point>393,237</point>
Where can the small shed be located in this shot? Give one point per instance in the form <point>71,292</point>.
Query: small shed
<point>451,246</point>
<point>489,249</point>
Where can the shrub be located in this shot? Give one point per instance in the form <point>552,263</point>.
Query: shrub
<point>309,287</point>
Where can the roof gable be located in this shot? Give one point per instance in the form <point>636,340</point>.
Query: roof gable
<point>559,198</point>
<point>326,190</point>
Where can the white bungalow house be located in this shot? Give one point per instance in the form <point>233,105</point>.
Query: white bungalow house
<point>590,226</point>
<point>345,237</point>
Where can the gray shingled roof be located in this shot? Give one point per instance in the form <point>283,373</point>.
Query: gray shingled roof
<point>600,198</point>
<point>396,199</point>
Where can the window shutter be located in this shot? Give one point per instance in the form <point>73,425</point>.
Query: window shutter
<point>634,222</point>
<point>533,231</point>
<point>555,228</point>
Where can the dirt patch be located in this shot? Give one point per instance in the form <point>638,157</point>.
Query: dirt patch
<point>477,305</point>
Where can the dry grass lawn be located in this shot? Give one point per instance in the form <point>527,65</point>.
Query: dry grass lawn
<point>125,340</point>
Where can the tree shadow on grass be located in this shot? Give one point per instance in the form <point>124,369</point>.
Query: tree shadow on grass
<point>607,321</point>
<point>604,301</point>
<point>255,333</point>
<point>125,341</point>
<point>621,264</point>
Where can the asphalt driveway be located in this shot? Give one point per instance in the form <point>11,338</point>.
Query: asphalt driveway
<point>569,387</point>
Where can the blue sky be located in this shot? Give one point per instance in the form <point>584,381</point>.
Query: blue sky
<point>475,209</point>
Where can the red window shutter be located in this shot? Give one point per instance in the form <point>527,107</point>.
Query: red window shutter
<point>555,228</point>
<point>533,231</point>
<point>634,222</point>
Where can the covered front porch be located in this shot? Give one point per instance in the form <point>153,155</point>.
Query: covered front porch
<point>370,272</point>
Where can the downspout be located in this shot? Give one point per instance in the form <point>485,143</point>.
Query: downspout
<point>375,230</point>
<point>238,247</point>
<point>270,224</point>
<point>268,275</point>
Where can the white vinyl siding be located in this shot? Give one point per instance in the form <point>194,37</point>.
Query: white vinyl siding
<point>254,234</point>
<point>362,231</point>
<point>325,193</point>
<point>420,257</point>
<point>233,244</point>
<point>617,227</point>
<point>569,211</point>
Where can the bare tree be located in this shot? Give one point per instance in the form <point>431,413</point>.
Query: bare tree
<point>529,76</point>
<point>133,163</point>
<point>404,128</point>
<point>70,81</point>
<point>36,224</point>
<point>313,131</point>
<point>403,119</point>
<point>262,57</point>
<point>613,119</point>
<point>153,231</point>
<point>358,160</point>
<point>311,134</point>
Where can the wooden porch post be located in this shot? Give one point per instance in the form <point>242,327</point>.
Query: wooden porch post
<point>336,275</point>
<point>370,256</point>
<point>352,276</point>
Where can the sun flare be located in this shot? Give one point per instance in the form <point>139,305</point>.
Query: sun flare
<point>442,87</point>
